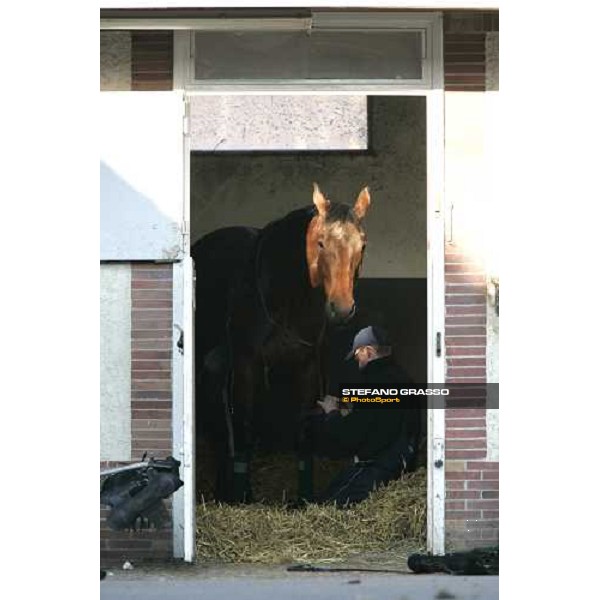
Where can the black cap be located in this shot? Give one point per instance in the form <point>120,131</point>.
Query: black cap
<point>369,336</point>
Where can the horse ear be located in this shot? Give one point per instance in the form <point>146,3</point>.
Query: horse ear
<point>320,201</point>
<point>362,204</point>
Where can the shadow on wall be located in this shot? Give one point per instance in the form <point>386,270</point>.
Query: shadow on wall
<point>131,226</point>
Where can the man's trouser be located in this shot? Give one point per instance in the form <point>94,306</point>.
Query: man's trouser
<point>355,483</point>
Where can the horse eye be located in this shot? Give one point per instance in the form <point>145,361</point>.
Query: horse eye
<point>321,245</point>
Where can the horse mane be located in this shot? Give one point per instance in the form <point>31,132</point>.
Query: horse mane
<point>342,213</point>
<point>280,251</point>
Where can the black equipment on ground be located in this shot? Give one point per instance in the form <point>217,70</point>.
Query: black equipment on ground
<point>135,492</point>
<point>480,561</point>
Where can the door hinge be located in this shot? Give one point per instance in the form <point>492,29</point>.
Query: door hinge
<point>438,344</point>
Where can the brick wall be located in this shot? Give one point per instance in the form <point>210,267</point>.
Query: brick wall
<point>152,60</point>
<point>151,404</point>
<point>465,34</point>
<point>136,60</point>
<point>472,481</point>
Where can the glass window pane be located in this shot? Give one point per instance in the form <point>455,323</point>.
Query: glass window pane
<point>297,55</point>
<point>365,55</point>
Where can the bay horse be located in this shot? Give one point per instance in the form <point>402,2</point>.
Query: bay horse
<point>264,298</point>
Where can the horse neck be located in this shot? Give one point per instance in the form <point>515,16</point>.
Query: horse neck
<point>282,270</point>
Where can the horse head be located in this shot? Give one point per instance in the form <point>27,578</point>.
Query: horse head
<point>335,244</point>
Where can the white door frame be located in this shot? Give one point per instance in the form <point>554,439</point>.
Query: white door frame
<point>184,520</point>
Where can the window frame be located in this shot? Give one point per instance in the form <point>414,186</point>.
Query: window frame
<point>425,23</point>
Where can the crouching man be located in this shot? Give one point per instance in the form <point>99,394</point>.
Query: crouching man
<point>382,439</point>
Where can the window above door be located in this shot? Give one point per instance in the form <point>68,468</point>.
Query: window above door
<point>327,51</point>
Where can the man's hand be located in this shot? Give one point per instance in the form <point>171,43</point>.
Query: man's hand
<point>329,403</point>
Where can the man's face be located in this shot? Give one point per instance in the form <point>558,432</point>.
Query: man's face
<point>363,355</point>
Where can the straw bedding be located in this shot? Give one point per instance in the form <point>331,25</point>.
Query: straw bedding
<point>271,532</point>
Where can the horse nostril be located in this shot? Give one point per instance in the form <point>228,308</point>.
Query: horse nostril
<point>352,312</point>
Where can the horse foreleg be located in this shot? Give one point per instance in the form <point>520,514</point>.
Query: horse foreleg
<point>241,421</point>
<point>309,387</point>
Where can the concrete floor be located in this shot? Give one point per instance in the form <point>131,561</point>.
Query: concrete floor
<point>256,583</point>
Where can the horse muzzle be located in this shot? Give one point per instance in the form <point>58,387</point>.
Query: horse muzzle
<point>339,316</point>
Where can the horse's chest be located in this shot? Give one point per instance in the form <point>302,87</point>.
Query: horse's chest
<point>285,346</point>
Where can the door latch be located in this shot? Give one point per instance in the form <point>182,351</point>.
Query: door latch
<point>180,340</point>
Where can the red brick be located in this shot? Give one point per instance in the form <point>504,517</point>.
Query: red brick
<point>461,278</point>
<point>463,268</point>
<point>471,361</point>
<point>150,414</point>
<point>491,514</point>
<point>151,385</point>
<point>455,505</point>
<point>159,424</point>
<point>453,444</point>
<point>487,524</point>
<point>490,475</point>
<point>466,372</point>
<point>140,322</point>
<point>150,313</point>
<point>455,329</point>
<point>466,320</point>
<point>151,355</point>
<point>462,87</point>
<point>467,413</point>
<point>454,254</point>
<point>478,309</point>
<point>464,38</point>
<point>456,66</point>
<point>138,295</point>
<point>463,494</point>
<point>150,374</point>
<point>465,433</point>
<point>455,485</point>
<point>151,334</point>
<point>462,423</point>
<point>465,351</point>
<point>463,78</point>
<point>154,304</point>
<point>483,504</point>
<point>455,379</point>
<point>465,299</point>
<point>452,515</point>
<point>158,449</point>
<point>151,403</point>
<point>141,433</point>
<point>484,465</point>
<point>476,340</point>
<point>149,365</point>
<point>162,345</point>
<point>464,51</point>
<point>151,395</point>
<point>463,475</point>
<point>468,287</point>
<point>151,284</point>
<point>465,454</point>
<point>483,485</point>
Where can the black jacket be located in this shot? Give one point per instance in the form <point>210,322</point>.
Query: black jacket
<point>369,430</point>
